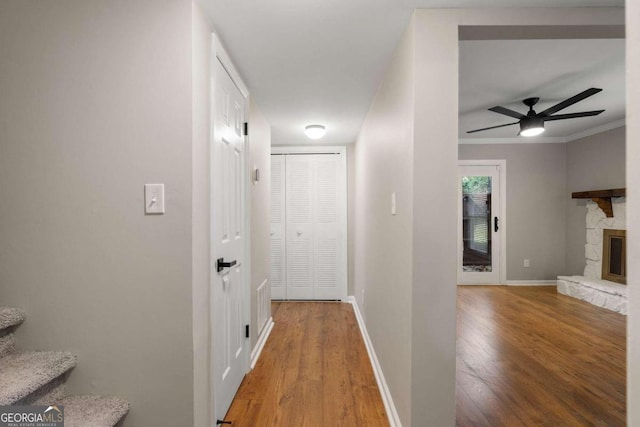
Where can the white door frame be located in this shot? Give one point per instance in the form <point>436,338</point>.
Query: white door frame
<point>502,171</point>
<point>218,53</point>
<point>342,151</point>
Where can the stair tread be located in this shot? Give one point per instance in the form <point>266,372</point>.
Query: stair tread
<point>10,317</point>
<point>22,373</point>
<point>93,411</point>
<point>7,344</point>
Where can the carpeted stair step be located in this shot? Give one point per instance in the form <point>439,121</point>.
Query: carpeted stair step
<point>93,411</point>
<point>10,317</point>
<point>24,373</point>
<point>7,345</point>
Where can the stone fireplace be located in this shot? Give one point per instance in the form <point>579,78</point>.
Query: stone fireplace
<point>603,282</point>
<point>596,223</point>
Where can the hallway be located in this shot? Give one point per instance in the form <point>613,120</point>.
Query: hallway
<point>313,371</point>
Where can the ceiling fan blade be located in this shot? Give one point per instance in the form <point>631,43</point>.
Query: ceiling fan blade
<point>492,127</point>
<point>567,102</point>
<point>572,115</point>
<point>507,112</point>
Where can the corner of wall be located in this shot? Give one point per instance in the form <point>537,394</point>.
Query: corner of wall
<point>260,207</point>
<point>633,210</point>
<point>200,231</point>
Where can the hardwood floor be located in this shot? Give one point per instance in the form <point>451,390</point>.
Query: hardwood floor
<point>314,371</point>
<point>527,356</point>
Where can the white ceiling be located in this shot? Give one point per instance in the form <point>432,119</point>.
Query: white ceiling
<point>321,61</point>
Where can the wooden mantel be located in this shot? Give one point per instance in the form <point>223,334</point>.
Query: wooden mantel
<point>602,198</point>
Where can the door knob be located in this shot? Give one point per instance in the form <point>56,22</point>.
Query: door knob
<point>221,265</point>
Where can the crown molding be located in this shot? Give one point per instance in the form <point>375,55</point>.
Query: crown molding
<point>520,140</point>
<point>595,130</point>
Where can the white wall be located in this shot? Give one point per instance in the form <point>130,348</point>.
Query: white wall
<point>596,162</point>
<point>383,254</point>
<point>96,102</point>
<point>260,194</point>
<point>633,211</point>
<point>536,206</point>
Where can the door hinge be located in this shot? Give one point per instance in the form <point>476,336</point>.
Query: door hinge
<point>219,422</point>
<point>246,129</point>
<point>246,331</point>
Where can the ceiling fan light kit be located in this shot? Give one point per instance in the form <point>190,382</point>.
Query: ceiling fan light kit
<point>532,123</point>
<point>531,126</point>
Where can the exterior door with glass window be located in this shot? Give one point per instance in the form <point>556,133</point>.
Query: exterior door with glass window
<point>479,225</point>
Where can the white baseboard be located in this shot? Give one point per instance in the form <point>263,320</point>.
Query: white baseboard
<point>262,340</point>
<point>531,282</point>
<point>390,408</point>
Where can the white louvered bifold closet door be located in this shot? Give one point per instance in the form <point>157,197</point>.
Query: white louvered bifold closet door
<point>329,261</point>
<point>315,209</point>
<point>278,240</point>
<point>299,226</point>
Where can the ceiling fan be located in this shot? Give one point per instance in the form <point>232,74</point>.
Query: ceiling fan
<point>532,123</point>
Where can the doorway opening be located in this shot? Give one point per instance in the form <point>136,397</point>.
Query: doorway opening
<point>481,222</point>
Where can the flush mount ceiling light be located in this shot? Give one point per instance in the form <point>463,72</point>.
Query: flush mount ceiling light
<point>315,131</point>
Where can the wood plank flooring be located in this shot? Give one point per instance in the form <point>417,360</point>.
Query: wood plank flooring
<point>314,371</point>
<point>527,356</point>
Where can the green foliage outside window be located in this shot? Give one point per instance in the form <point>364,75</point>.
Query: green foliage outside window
<point>476,184</point>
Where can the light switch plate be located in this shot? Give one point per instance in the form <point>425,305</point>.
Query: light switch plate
<point>154,199</point>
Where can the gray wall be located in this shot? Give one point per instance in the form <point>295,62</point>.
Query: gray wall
<point>433,344</point>
<point>633,211</point>
<point>201,214</point>
<point>383,253</point>
<point>536,202</point>
<point>420,92</point>
<point>436,113</point>
<point>593,163</point>
<point>260,193</point>
<point>96,102</point>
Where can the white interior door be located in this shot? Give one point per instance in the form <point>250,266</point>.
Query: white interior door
<point>230,351</point>
<point>278,226</point>
<point>479,242</point>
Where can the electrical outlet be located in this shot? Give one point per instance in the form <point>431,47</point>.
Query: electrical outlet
<point>526,263</point>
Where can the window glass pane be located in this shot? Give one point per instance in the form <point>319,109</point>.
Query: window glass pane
<point>476,223</point>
